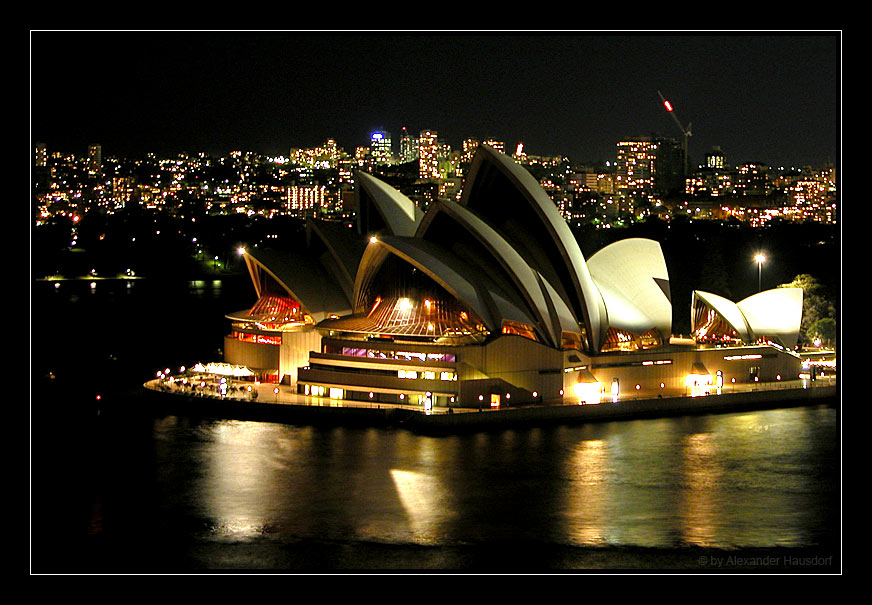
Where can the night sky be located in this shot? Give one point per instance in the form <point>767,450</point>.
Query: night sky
<point>772,97</point>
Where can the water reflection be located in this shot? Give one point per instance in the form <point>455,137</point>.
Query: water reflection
<point>247,476</point>
<point>425,503</point>
<point>587,502</point>
<point>739,480</point>
<point>698,510</point>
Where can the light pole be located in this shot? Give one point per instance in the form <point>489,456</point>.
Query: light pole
<point>760,258</point>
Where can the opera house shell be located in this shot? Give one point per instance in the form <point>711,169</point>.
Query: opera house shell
<point>770,316</point>
<point>487,301</point>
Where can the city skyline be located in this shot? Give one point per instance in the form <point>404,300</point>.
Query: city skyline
<point>771,97</point>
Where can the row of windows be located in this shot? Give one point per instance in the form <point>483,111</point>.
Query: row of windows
<point>426,375</point>
<point>386,354</point>
<point>445,375</point>
<point>271,339</point>
<point>426,400</point>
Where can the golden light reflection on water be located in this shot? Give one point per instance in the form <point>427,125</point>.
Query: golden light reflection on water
<point>699,511</point>
<point>244,471</point>
<point>262,479</point>
<point>425,503</point>
<point>587,500</point>
<point>418,473</point>
<point>719,481</point>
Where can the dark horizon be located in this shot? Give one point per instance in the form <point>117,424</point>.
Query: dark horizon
<point>772,97</point>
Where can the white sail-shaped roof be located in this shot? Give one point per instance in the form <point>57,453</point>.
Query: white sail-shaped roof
<point>397,211</point>
<point>517,207</point>
<point>728,310</point>
<point>460,280</point>
<point>302,278</point>
<point>631,275</point>
<point>774,314</point>
<point>550,312</point>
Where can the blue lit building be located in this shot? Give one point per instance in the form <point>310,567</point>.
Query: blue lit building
<point>381,148</point>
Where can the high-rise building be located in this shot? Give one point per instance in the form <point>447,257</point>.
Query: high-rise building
<point>408,147</point>
<point>95,160</point>
<point>468,149</point>
<point>669,169</point>
<point>306,200</point>
<point>41,172</point>
<point>40,158</point>
<point>380,147</point>
<point>428,154</point>
<point>648,167</point>
<point>753,179</point>
<point>635,166</point>
<point>715,159</point>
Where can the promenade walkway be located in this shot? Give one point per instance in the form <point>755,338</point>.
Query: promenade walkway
<point>279,394</point>
<point>228,389</point>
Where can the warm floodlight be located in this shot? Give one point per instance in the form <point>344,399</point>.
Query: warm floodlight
<point>760,259</point>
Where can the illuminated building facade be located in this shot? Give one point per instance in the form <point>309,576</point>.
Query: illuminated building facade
<point>302,200</point>
<point>95,160</point>
<point>40,155</point>
<point>428,155</point>
<point>715,159</point>
<point>752,179</point>
<point>649,167</point>
<point>484,302</point>
<point>380,147</point>
<point>408,147</point>
<point>635,167</point>
<point>294,292</point>
<point>468,148</point>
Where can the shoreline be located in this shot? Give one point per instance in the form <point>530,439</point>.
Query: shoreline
<point>443,423</point>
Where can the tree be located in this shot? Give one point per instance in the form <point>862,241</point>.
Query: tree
<point>816,304</point>
<point>825,330</point>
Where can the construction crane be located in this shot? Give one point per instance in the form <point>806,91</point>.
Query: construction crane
<point>684,131</point>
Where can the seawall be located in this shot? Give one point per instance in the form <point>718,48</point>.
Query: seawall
<point>629,410</point>
<point>464,421</point>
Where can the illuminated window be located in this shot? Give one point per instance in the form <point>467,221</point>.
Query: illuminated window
<point>257,338</point>
<point>519,329</point>
<point>495,400</point>
<point>621,340</point>
<point>571,340</point>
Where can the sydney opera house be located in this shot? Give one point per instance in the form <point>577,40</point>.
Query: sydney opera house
<point>489,302</point>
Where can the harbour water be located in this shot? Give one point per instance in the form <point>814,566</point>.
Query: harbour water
<point>116,488</point>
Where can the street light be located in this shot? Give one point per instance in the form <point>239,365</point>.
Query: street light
<point>760,258</point>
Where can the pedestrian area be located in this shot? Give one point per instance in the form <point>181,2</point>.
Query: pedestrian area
<point>209,385</point>
<point>194,383</point>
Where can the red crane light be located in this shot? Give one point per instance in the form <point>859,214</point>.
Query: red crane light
<point>667,104</point>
